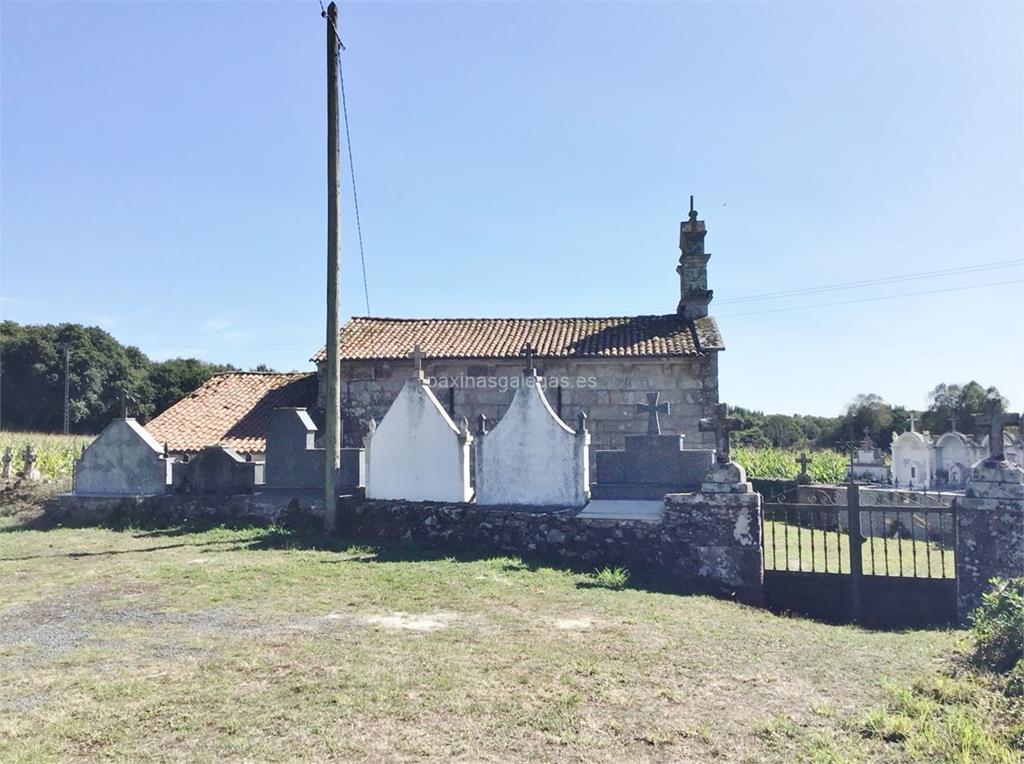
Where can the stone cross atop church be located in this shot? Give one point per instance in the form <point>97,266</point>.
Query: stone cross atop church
<point>693,268</point>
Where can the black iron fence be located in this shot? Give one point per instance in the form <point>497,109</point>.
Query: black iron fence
<point>841,548</point>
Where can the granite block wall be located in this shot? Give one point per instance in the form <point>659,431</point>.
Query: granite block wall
<point>607,390</point>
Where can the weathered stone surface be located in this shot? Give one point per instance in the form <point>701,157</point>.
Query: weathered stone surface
<point>691,384</point>
<point>703,543</point>
<point>728,477</point>
<point>990,526</point>
<point>124,460</point>
<point>174,509</point>
<point>532,457</point>
<point>216,470</point>
<point>721,535</point>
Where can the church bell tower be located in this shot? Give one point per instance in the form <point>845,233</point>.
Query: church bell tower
<point>693,268</point>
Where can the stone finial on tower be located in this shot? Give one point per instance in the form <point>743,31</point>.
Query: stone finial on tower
<point>693,268</point>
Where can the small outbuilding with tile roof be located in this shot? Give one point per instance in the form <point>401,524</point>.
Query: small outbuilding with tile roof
<point>231,409</point>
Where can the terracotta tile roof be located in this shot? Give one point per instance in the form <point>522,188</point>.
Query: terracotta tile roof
<point>616,337</point>
<point>232,409</point>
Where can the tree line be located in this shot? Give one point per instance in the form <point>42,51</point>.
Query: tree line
<point>869,417</point>
<point>104,376</point>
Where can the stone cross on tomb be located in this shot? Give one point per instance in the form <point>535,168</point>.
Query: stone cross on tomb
<point>28,458</point>
<point>722,425</point>
<point>994,419</point>
<point>652,408</point>
<point>417,359</point>
<point>913,418</point>
<point>126,398</point>
<point>529,369</point>
<point>803,461</point>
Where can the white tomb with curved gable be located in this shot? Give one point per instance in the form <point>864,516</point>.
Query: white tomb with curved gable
<point>417,453</point>
<point>532,457</point>
<point>912,460</point>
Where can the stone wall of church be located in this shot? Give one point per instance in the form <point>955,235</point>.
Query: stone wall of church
<point>606,389</point>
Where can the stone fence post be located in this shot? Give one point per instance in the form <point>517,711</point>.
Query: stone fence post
<point>716,535</point>
<point>990,530</point>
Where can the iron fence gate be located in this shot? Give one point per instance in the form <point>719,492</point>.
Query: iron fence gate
<point>879,565</point>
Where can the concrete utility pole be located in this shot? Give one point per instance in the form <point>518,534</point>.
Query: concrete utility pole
<point>332,405</point>
<point>67,389</point>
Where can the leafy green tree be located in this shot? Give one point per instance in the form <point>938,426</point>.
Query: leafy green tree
<point>867,415</point>
<point>962,402</point>
<point>100,370</point>
<point>104,375</point>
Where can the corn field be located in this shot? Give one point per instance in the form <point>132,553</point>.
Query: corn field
<point>55,454</point>
<point>825,467</point>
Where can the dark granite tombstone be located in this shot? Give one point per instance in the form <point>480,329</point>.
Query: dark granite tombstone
<point>296,465</point>
<point>650,467</point>
<point>216,470</point>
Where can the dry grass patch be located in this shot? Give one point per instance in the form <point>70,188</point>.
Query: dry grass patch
<point>258,645</point>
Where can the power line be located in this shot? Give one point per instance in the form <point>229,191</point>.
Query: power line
<point>872,299</point>
<point>260,344</point>
<point>873,282</point>
<point>355,194</point>
<point>351,162</point>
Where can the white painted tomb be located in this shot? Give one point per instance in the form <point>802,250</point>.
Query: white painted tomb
<point>912,460</point>
<point>417,453</point>
<point>124,460</point>
<point>531,457</point>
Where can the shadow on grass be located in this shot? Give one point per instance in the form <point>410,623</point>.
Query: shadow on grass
<point>301,532</point>
<point>297,530</point>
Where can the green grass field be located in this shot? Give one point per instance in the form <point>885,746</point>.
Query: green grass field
<point>265,645</point>
<point>790,547</point>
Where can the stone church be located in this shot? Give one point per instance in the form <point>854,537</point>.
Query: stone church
<point>602,365</point>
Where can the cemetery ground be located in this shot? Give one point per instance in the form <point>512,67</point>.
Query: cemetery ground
<point>270,644</point>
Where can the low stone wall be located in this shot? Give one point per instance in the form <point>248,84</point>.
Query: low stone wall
<point>704,543</point>
<point>176,509</point>
<point>871,496</point>
<point>775,489</point>
<point>708,543</point>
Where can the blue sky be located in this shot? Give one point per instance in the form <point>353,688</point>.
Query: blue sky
<point>163,177</point>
